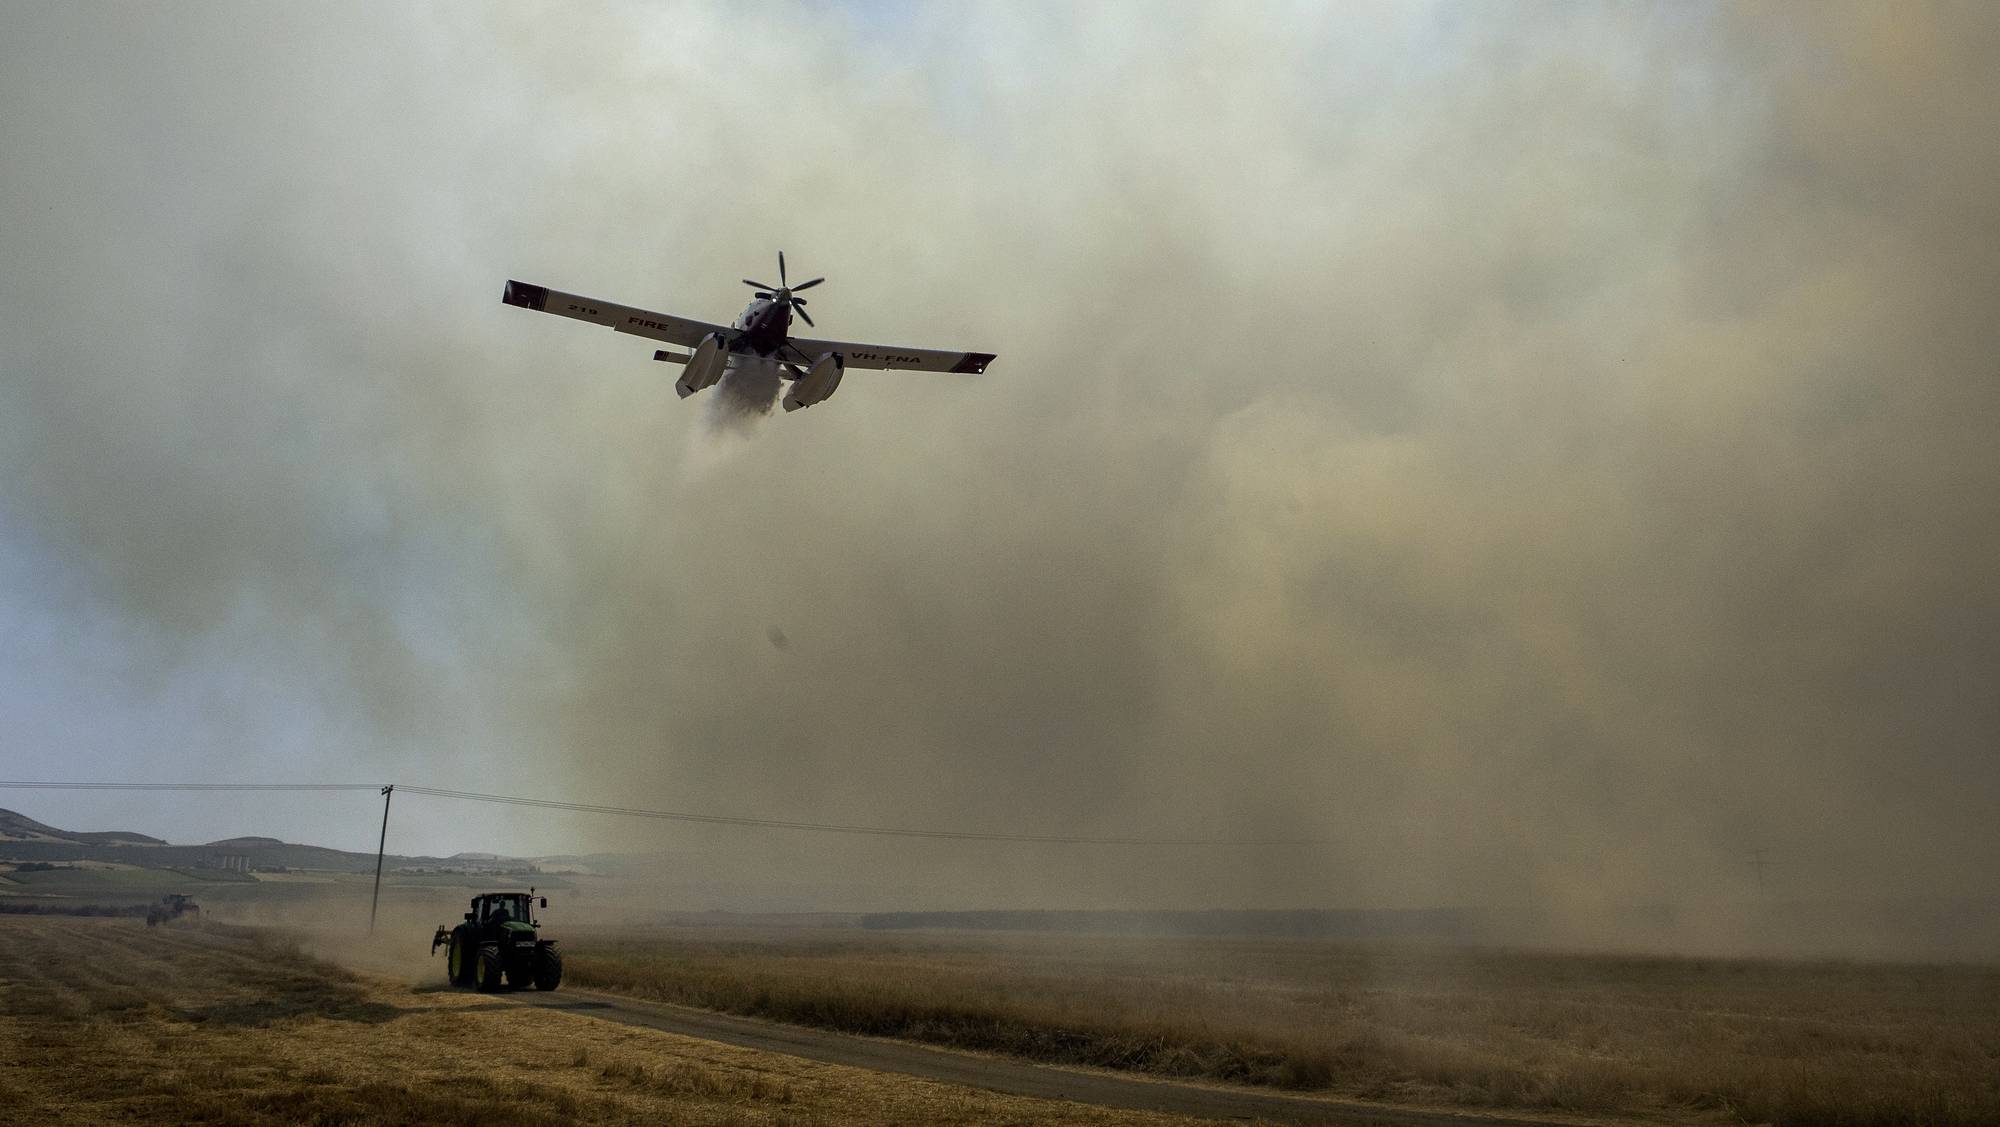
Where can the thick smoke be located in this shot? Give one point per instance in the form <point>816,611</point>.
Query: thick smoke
<point>1545,452</point>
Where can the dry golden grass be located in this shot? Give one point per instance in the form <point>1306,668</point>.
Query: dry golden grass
<point>1792,1044</point>
<point>104,1020</point>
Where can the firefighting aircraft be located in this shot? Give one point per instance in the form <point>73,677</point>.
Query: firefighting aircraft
<point>760,335</point>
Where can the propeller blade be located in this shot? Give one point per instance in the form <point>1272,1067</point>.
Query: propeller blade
<point>797,300</point>
<point>807,285</point>
<point>808,317</point>
<point>759,285</point>
<point>760,293</point>
<point>781,266</point>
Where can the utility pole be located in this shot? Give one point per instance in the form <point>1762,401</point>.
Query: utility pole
<point>387,793</point>
<point>1757,859</point>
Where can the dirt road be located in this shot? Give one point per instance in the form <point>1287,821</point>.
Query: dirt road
<point>999,1074</point>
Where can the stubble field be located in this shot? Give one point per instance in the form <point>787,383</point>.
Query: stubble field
<point>104,1020</point>
<point>1797,1044</point>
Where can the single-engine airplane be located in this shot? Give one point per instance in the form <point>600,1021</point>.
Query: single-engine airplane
<point>760,335</point>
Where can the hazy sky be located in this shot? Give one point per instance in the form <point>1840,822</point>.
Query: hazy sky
<point>1546,451</point>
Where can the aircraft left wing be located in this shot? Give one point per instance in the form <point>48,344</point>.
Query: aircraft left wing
<point>890,356</point>
<point>639,322</point>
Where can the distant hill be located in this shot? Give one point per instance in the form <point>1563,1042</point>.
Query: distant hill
<point>24,839</point>
<point>20,827</point>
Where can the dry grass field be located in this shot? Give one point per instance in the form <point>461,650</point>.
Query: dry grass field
<point>1793,1044</point>
<point>105,1020</point>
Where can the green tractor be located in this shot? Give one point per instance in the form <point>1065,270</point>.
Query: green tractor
<point>498,940</point>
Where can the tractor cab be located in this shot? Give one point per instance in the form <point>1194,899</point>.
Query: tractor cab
<point>501,909</point>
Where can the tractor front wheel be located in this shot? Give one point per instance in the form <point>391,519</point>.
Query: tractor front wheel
<point>458,961</point>
<point>488,972</point>
<point>548,969</point>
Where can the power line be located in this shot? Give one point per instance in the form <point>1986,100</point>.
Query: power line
<point>690,816</point>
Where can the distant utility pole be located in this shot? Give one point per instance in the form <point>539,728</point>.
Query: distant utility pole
<point>1756,859</point>
<point>387,793</point>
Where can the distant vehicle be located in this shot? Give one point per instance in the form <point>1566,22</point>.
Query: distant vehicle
<point>172,906</point>
<point>761,335</point>
<point>498,941</point>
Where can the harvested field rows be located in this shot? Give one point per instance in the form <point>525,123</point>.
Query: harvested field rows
<point>1793,1044</point>
<point>107,1020</point>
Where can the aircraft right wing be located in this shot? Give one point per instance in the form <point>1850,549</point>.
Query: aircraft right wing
<point>891,356</point>
<point>683,331</point>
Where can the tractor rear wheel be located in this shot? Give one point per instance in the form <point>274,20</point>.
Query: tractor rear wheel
<point>548,969</point>
<point>489,971</point>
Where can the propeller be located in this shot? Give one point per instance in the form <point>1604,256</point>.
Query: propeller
<point>783,291</point>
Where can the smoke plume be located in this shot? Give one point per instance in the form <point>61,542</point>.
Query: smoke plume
<point>1546,453</point>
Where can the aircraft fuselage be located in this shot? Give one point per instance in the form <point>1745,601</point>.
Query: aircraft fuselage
<point>762,327</point>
